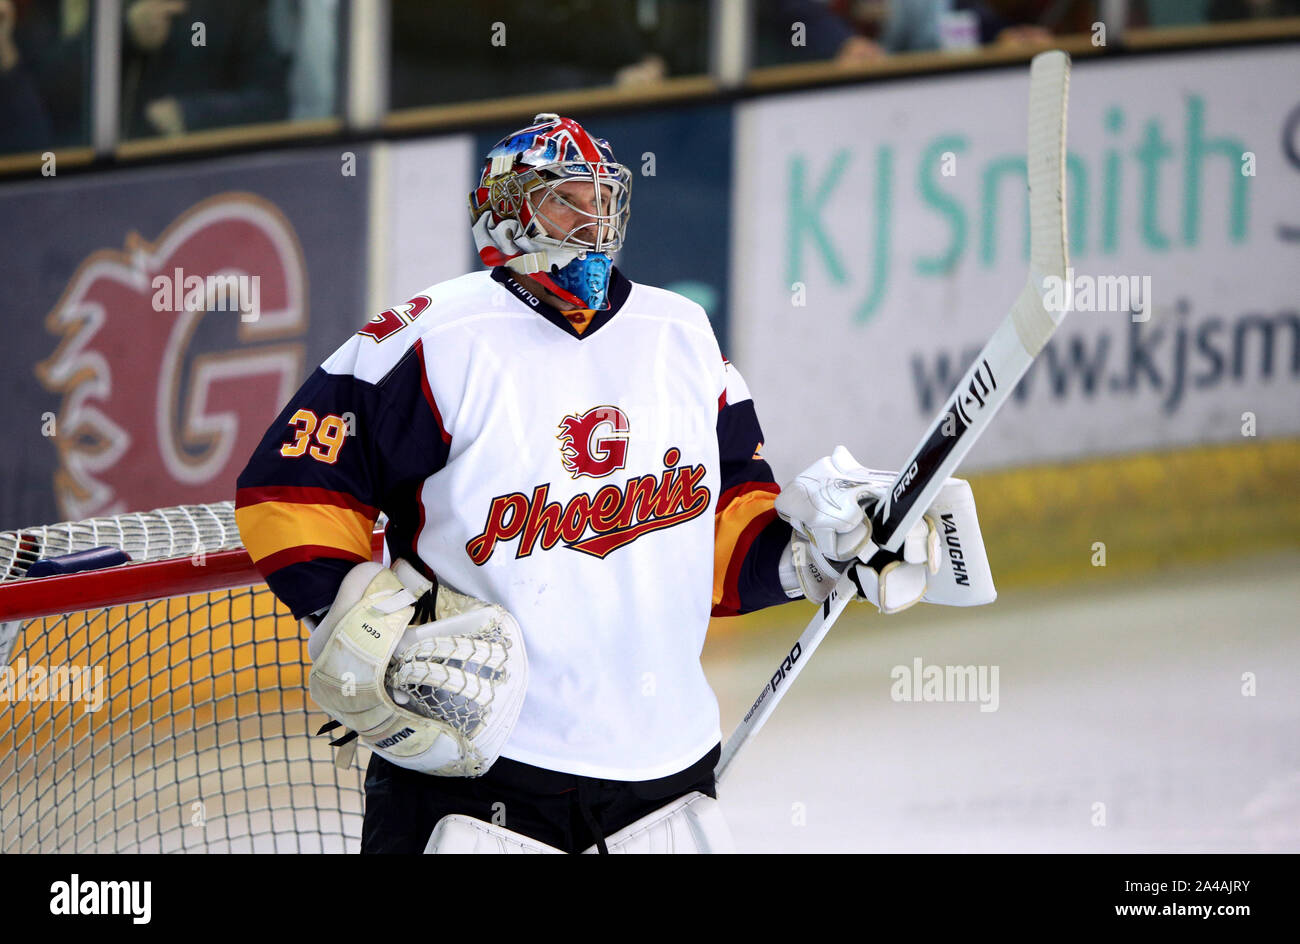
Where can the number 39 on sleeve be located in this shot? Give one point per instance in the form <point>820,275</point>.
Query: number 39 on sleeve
<point>328,433</point>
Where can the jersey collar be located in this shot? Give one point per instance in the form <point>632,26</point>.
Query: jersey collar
<point>619,288</point>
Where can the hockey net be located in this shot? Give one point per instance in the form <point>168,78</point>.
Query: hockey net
<point>160,705</point>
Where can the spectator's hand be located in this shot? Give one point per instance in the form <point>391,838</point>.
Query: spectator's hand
<point>1027,35</point>
<point>166,116</point>
<point>650,69</point>
<point>8,51</point>
<point>150,21</point>
<point>858,49</point>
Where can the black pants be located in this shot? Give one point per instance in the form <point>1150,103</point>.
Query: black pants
<point>563,810</point>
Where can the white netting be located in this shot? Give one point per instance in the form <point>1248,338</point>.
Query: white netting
<point>169,724</point>
<point>145,536</point>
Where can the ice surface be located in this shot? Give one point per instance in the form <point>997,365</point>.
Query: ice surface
<point>1127,693</point>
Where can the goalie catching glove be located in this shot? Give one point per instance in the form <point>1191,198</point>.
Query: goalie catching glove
<point>439,696</point>
<point>828,506</point>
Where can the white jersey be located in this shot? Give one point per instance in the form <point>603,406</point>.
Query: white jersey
<point>574,478</point>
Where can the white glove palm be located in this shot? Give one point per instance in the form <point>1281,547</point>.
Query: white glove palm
<point>827,505</point>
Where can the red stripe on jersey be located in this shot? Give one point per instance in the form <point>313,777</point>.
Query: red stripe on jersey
<point>302,554</point>
<point>730,602</point>
<point>428,393</point>
<point>744,488</point>
<point>301,495</point>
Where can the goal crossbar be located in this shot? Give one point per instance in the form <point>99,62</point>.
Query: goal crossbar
<point>130,583</point>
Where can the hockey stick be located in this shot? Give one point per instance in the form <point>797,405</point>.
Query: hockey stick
<point>978,395</point>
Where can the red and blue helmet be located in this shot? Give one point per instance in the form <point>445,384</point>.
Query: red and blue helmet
<point>518,186</point>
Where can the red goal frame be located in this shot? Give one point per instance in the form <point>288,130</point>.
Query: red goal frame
<point>32,598</point>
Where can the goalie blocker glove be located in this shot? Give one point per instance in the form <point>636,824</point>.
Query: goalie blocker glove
<point>440,697</point>
<point>942,559</point>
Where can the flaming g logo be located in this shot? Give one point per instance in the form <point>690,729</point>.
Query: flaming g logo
<point>162,402</point>
<point>595,444</point>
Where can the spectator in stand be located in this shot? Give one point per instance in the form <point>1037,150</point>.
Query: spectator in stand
<point>828,34</point>
<point>537,47</point>
<point>841,30</point>
<point>172,84</point>
<point>924,25</point>
<point>43,52</point>
<point>307,33</point>
<point>24,122</point>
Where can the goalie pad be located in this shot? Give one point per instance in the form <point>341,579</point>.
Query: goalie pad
<point>441,697</point>
<point>964,577</point>
<point>690,824</point>
<point>464,835</point>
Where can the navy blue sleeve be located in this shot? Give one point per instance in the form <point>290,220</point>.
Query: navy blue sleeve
<point>339,453</point>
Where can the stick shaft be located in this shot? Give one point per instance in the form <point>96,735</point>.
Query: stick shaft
<point>787,672</point>
<point>983,389</point>
<point>988,382</point>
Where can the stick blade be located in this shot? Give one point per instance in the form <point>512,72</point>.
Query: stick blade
<point>1024,331</point>
<point>1049,92</point>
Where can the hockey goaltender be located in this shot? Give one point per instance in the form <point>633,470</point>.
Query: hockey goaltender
<point>573,482</point>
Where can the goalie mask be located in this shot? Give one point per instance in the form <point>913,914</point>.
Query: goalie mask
<point>553,204</point>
